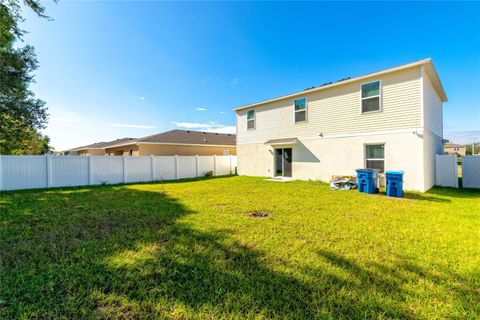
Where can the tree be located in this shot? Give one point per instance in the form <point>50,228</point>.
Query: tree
<point>22,115</point>
<point>469,149</point>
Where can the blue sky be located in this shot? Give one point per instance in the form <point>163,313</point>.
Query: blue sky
<point>115,69</point>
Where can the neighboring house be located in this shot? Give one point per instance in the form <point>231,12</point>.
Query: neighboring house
<point>177,142</point>
<point>388,120</point>
<point>95,149</point>
<point>452,148</point>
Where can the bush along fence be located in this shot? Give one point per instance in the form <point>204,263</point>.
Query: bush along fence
<point>29,172</point>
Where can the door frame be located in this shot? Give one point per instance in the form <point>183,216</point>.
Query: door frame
<point>283,162</point>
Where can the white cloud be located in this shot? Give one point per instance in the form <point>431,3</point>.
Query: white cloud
<point>225,129</point>
<point>197,125</point>
<point>211,126</point>
<point>136,126</point>
<point>221,112</point>
<point>235,81</point>
<point>141,98</point>
<point>201,109</point>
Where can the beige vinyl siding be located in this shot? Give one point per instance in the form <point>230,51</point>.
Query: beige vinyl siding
<point>154,149</point>
<point>433,113</point>
<point>122,150</point>
<point>184,150</point>
<point>91,152</point>
<point>337,111</point>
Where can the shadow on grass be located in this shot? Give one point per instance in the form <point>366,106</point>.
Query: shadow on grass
<point>454,192</point>
<point>397,280</point>
<point>118,252</point>
<point>424,197</point>
<point>86,187</point>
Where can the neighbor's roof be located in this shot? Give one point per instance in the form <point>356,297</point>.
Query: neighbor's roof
<point>427,63</point>
<point>101,145</point>
<point>186,137</point>
<point>453,145</point>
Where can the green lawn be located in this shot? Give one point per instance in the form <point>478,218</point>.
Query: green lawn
<point>189,249</point>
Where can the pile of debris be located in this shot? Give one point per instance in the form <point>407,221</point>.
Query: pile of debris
<point>343,183</point>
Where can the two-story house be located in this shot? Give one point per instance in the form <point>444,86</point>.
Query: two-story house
<point>453,148</point>
<point>387,120</point>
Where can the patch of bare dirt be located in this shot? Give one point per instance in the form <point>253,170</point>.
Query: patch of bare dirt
<point>258,214</point>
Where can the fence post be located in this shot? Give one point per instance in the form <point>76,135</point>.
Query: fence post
<point>214,164</point>
<point>90,170</point>
<point>152,174</point>
<point>176,167</point>
<point>48,162</point>
<point>1,174</point>
<point>455,169</point>
<point>230,160</point>
<point>124,164</point>
<point>196,165</point>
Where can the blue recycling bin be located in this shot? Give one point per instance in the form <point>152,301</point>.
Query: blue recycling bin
<point>394,183</point>
<point>367,180</point>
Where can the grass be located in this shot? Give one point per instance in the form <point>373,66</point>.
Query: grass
<point>189,249</point>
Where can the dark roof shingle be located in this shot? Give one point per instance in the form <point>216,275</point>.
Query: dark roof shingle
<point>99,145</point>
<point>191,137</point>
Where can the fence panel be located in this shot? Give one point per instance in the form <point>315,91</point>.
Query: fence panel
<point>205,164</point>
<point>471,171</point>
<point>106,170</point>
<point>19,172</point>
<point>234,165</point>
<point>446,170</point>
<point>164,168</point>
<point>27,172</point>
<point>187,167</point>
<point>223,165</point>
<point>69,171</point>
<point>138,169</point>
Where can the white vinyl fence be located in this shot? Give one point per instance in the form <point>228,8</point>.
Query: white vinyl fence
<point>471,171</point>
<point>446,170</point>
<point>27,172</point>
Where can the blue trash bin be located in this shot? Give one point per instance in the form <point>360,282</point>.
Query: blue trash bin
<point>367,180</point>
<point>394,183</point>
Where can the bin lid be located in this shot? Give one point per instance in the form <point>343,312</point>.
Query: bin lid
<point>363,170</point>
<point>395,172</point>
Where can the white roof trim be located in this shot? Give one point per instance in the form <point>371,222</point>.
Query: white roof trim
<point>282,142</point>
<point>78,149</point>
<point>171,144</point>
<point>430,69</point>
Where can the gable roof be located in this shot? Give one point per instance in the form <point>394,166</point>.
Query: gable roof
<point>429,68</point>
<point>101,145</point>
<point>453,145</point>
<point>191,137</point>
<point>185,137</point>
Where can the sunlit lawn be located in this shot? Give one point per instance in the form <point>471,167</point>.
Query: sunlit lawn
<point>189,249</point>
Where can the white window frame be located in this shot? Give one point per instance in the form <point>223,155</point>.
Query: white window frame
<point>384,154</point>
<point>254,119</point>
<point>380,100</point>
<point>295,111</point>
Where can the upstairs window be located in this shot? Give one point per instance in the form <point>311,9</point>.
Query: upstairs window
<point>375,156</point>
<point>371,93</point>
<point>251,119</point>
<point>300,110</point>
